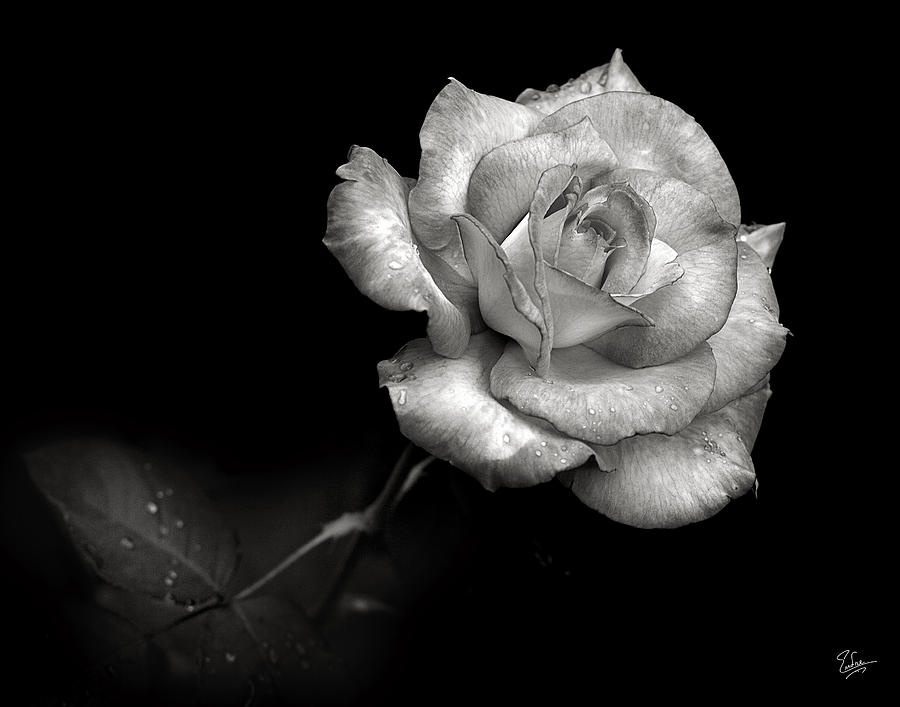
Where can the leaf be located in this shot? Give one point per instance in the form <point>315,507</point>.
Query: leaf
<point>263,648</point>
<point>137,518</point>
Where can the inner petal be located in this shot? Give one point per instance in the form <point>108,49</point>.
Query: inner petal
<point>662,270</point>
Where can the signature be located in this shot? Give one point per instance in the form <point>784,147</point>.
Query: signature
<point>849,664</point>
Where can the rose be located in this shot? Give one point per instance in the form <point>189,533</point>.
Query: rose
<point>595,311</point>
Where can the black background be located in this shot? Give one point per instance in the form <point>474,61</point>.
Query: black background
<point>163,276</point>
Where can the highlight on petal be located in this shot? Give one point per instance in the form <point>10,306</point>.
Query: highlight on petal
<point>445,406</point>
<point>461,127</point>
<point>615,75</point>
<point>696,305</point>
<point>591,398</point>
<point>662,270</point>
<point>504,301</point>
<point>369,233</point>
<point>752,340</point>
<point>763,239</point>
<point>502,185</point>
<point>647,132</point>
<point>659,481</point>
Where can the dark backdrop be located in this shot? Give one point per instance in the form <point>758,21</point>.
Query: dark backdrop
<point>164,278</point>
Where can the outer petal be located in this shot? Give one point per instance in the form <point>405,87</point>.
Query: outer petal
<point>694,307</point>
<point>502,185</point>
<point>505,303</point>
<point>445,406</point>
<point>591,398</point>
<point>752,340</point>
<point>461,127</point>
<point>746,413</point>
<point>649,133</point>
<point>764,240</point>
<point>655,481</point>
<point>612,76</point>
<point>368,232</point>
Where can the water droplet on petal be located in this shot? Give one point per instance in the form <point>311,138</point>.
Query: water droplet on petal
<point>191,605</point>
<point>127,543</point>
<point>629,387</point>
<point>397,377</point>
<point>506,439</point>
<point>563,461</point>
<point>160,494</point>
<point>543,444</point>
<point>708,460</point>
<point>658,389</point>
<point>673,406</point>
<point>152,508</point>
<point>163,530</point>
<point>591,411</point>
<point>406,365</point>
<point>168,581</point>
<point>401,397</point>
<point>612,409</point>
<point>585,87</point>
<point>173,574</point>
<point>230,657</point>
<point>743,256</point>
<point>537,452</point>
<point>394,265</point>
<point>179,523</point>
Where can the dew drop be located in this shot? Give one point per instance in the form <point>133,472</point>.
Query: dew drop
<point>658,389</point>
<point>564,448</point>
<point>673,406</point>
<point>169,598</point>
<point>160,494</point>
<point>708,460</point>
<point>401,397</point>
<point>168,581</point>
<point>543,444</point>
<point>406,365</point>
<point>127,543</point>
<point>173,574</point>
<point>537,452</point>
<point>191,605</point>
<point>394,265</point>
<point>230,657</point>
<point>563,461</point>
<point>397,377</point>
<point>612,409</point>
<point>163,530</point>
<point>179,523</point>
<point>152,508</point>
<point>591,411</point>
<point>629,387</point>
<point>505,439</point>
<point>585,87</point>
<point>743,257</point>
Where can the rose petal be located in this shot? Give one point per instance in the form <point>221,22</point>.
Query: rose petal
<point>634,222</point>
<point>662,270</point>
<point>694,307</point>
<point>752,340</point>
<point>612,76</point>
<point>647,132</point>
<point>502,185</point>
<point>503,300</point>
<point>581,312</point>
<point>368,232</point>
<point>591,398</point>
<point>461,127</point>
<point>445,407</point>
<point>657,481</point>
<point>763,239</point>
<point>746,413</point>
